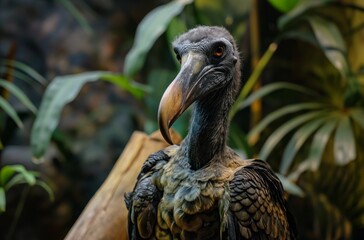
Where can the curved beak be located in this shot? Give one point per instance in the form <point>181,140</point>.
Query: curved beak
<point>181,93</point>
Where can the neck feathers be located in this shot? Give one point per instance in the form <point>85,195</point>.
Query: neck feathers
<point>206,139</point>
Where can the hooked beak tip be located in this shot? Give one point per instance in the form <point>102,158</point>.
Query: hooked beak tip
<point>164,129</point>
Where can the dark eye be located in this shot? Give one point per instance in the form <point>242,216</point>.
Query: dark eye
<point>178,57</point>
<point>218,51</point>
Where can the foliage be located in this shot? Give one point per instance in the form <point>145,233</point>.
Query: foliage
<point>12,68</point>
<point>325,122</point>
<point>241,101</point>
<point>152,26</point>
<point>325,115</point>
<point>64,89</point>
<point>13,175</point>
<point>283,5</point>
<point>61,91</point>
<point>315,134</point>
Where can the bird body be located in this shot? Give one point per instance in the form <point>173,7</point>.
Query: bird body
<point>202,189</point>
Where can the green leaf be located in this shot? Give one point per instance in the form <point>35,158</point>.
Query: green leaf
<point>331,41</point>
<point>16,180</point>
<point>134,88</point>
<point>344,142</point>
<point>60,91</point>
<point>283,130</point>
<point>148,31</point>
<point>2,200</point>
<point>319,143</point>
<point>296,142</point>
<point>5,174</point>
<point>28,176</point>
<point>13,89</point>
<point>358,116</point>
<point>283,5</point>
<point>300,8</point>
<point>282,112</point>
<point>8,109</point>
<point>271,88</point>
<point>26,69</point>
<point>290,186</point>
<point>47,188</point>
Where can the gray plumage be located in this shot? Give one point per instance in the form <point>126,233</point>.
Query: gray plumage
<point>202,189</point>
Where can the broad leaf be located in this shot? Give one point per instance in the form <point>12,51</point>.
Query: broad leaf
<point>148,31</point>
<point>272,88</point>
<point>60,91</point>
<point>13,89</point>
<point>300,8</point>
<point>2,200</point>
<point>344,142</point>
<point>283,130</point>
<point>331,41</point>
<point>296,142</point>
<point>9,110</point>
<point>282,112</point>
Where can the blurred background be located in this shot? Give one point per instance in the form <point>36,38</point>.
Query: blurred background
<point>78,77</point>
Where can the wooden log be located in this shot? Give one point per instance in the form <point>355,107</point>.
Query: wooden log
<point>105,216</point>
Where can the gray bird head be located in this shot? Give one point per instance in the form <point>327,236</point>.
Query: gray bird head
<point>209,61</point>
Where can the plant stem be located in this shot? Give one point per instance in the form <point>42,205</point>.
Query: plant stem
<point>18,211</point>
<point>254,77</point>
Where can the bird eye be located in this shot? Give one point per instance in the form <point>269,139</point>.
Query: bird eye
<point>218,52</point>
<point>178,57</point>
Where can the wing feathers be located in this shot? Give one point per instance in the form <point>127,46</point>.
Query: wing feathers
<point>257,204</point>
<point>142,203</point>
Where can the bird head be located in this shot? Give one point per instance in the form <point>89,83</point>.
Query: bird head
<point>208,58</point>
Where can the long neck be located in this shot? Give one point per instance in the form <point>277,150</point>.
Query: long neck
<point>209,128</point>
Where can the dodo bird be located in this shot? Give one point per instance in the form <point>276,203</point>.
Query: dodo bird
<point>202,189</point>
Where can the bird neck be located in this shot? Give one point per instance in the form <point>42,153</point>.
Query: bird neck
<point>208,132</point>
